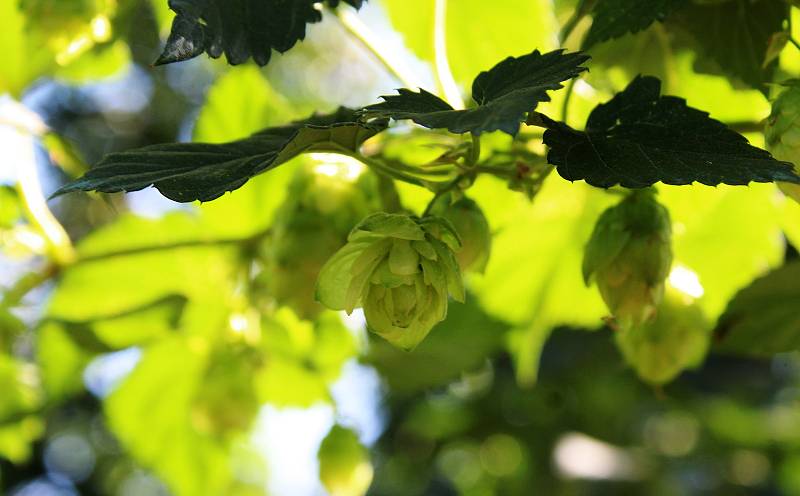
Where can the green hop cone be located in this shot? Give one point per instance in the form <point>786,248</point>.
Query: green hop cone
<point>344,466</point>
<point>400,269</point>
<point>629,256</point>
<point>678,338</point>
<point>782,133</point>
<point>311,225</point>
<point>473,229</point>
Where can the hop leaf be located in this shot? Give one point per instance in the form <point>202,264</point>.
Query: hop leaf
<point>678,338</point>
<point>629,255</point>
<point>782,133</point>
<point>400,269</point>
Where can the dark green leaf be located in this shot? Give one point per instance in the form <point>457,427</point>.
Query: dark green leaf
<point>186,172</point>
<point>736,35</point>
<point>764,318</point>
<point>639,138</point>
<point>615,18</point>
<point>504,95</point>
<point>239,28</point>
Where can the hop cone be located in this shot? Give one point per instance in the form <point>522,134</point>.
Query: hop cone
<point>473,230</point>
<point>629,255</point>
<point>782,133</point>
<point>676,339</point>
<point>310,226</point>
<point>400,269</point>
<point>344,466</point>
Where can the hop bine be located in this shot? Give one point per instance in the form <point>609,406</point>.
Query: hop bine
<point>782,133</point>
<point>400,269</point>
<point>629,256</point>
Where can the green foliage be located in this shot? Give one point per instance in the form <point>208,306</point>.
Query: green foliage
<point>240,30</point>
<point>504,95</point>
<point>762,319</point>
<point>198,171</point>
<point>640,138</point>
<point>615,18</point>
<point>736,34</point>
<point>216,302</point>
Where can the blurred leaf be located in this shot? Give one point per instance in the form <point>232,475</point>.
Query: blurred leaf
<point>21,64</point>
<point>725,235</point>
<point>639,138</point>
<point>344,466</point>
<point>764,318</point>
<point>288,383</point>
<point>186,172</point>
<point>240,102</point>
<point>614,18</point>
<point>10,208</point>
<point>65,154</point>
<point>239,29</point>
<point>474,41</point>
<point>504,95</point>
<point>102,61</point>
<point>20,424</point>
<point>151,414</point>
<point>137,326</point>
<point>436,362</point>
<point>736,35</point>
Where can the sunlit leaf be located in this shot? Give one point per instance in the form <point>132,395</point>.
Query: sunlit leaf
<point>186,172</point>
<point>639,138</point>
<point>504,95</point>
<point>764,318</point>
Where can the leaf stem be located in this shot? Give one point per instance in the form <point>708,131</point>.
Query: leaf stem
<point>444,76</point>
<point>372,42</point>
<point>794,42</point>
<point>567,99</point>
<point>581,10</point>
<point>29,125</point>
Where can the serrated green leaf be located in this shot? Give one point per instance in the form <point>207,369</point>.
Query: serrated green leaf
<point>239,28</point>
<point>186,172</point>
<point>736,35</point>
<point>504,95</point>
<point>640,138</point>
<point>764,318</point>
<point>615,18</point>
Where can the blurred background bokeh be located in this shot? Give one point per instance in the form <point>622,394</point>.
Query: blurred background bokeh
<point>172,359</point>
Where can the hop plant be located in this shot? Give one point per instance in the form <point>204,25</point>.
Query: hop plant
<point>400,269</point>
<point>310,226</point>
<point>677,339</point>
<point>782,133</point>
<point>473,230</point>
<point>629,256</point>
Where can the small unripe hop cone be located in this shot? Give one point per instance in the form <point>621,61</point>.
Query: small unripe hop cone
<point>782,133</point>
<point>473,229</point>
<point>400,269</point>
<point>629,256</point>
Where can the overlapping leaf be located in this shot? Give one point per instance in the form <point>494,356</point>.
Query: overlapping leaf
<point>615,18</point>
<point>764,318</point>
<point>504,95</point>
<point>639,138</point>
<point>735,35</point>
<point>186,172</point>
<point>239,28</point>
